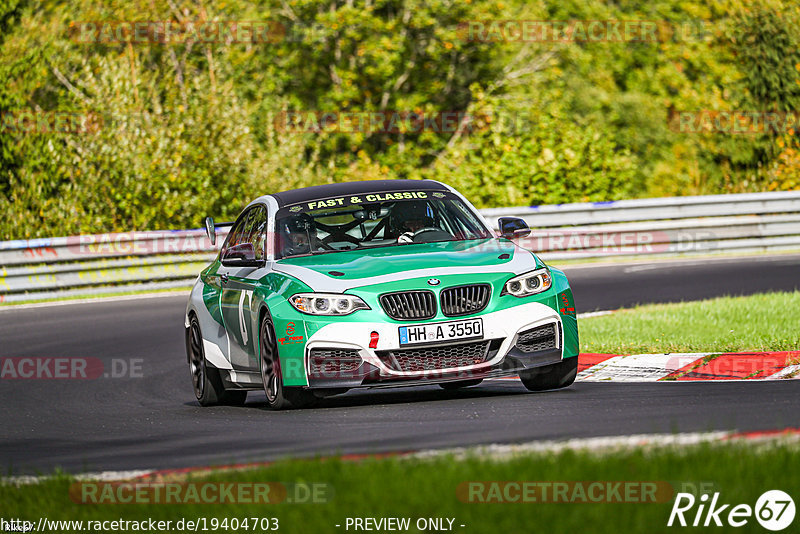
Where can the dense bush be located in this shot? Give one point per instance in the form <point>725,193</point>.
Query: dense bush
<point>178,131</point>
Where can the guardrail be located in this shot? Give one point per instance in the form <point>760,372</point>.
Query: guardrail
<point>749,222</point>
<point>108,263</point>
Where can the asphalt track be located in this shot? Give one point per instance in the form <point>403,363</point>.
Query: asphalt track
<point>152,421</point>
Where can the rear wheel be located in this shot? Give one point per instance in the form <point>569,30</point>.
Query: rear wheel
<point>208,387</point>
<point>451,386</point>
<point>279,397</point>
<point>554,376</point>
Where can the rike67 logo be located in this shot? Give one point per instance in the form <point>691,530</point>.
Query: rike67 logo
<point>774,510</point>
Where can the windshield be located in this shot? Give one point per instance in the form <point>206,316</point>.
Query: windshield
<point>376,220</point>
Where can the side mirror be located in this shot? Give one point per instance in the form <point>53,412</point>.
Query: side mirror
<point>513,227</point>
<point>211,231</point>
<point>241,255</point>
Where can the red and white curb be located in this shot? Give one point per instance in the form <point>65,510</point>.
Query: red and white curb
<point>688,366</point>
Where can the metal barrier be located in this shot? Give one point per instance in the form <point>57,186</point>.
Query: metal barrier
<point>96,264</point>
<point>750,222</point>
<point>106,263</point>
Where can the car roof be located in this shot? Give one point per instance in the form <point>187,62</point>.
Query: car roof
<point>318,192</point>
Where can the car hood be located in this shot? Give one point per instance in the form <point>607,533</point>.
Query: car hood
<point>339,271</point>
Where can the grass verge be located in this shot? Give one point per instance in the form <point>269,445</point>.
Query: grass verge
<point>414,488</point>
<point>763,322</point>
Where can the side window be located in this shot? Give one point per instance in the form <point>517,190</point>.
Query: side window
<point>252,228</point>
<point>257,232</point>
<point>238,233</point>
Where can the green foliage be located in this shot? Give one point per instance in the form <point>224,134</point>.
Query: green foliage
<point>767,44</point>
<point>9,99</point>
<point>192,128</point>
<point>524,157</point>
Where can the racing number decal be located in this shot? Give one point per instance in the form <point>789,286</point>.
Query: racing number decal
<point>242,321</point>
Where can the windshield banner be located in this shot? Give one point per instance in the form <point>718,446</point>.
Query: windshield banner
<point>358,200</point>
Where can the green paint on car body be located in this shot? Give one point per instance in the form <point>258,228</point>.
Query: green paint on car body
<point>355,264</point>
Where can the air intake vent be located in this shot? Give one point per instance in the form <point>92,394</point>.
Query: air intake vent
<point>332,362</point>
<point>539,338</point>
<point>409,305</point>
<point>435,358</point>
<point>465,300</point>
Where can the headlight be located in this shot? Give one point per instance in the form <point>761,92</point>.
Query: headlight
<point>327,303</point>
<point>528,283</point>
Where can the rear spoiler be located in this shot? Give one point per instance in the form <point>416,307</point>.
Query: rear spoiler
<point>211,229</point>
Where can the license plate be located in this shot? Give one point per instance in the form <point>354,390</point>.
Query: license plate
<point>439,332</point>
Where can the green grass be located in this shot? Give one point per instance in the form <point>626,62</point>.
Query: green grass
<point>427,488</point>
<point>764,322</point>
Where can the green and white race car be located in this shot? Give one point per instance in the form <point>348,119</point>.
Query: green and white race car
<point>374,284</point>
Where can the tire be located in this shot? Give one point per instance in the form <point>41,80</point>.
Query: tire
<point>452,386</point>
<point>555,376</point>
<point>279,397</point>
<point>206,381</point>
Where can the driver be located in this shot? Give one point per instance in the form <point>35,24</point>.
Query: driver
<point>411,218</point>
<point>300,230</point>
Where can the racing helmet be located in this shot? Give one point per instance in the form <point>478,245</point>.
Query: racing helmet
<point>413,210</point>
<point>299,234</point>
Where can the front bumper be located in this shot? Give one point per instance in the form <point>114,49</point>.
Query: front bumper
<point>339,356</point>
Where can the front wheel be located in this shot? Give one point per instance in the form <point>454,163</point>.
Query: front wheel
<point>555,376</point>
<point>208,387</point>
<point>279,397</point>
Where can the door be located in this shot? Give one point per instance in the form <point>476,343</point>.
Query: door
<point>238,284</point>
